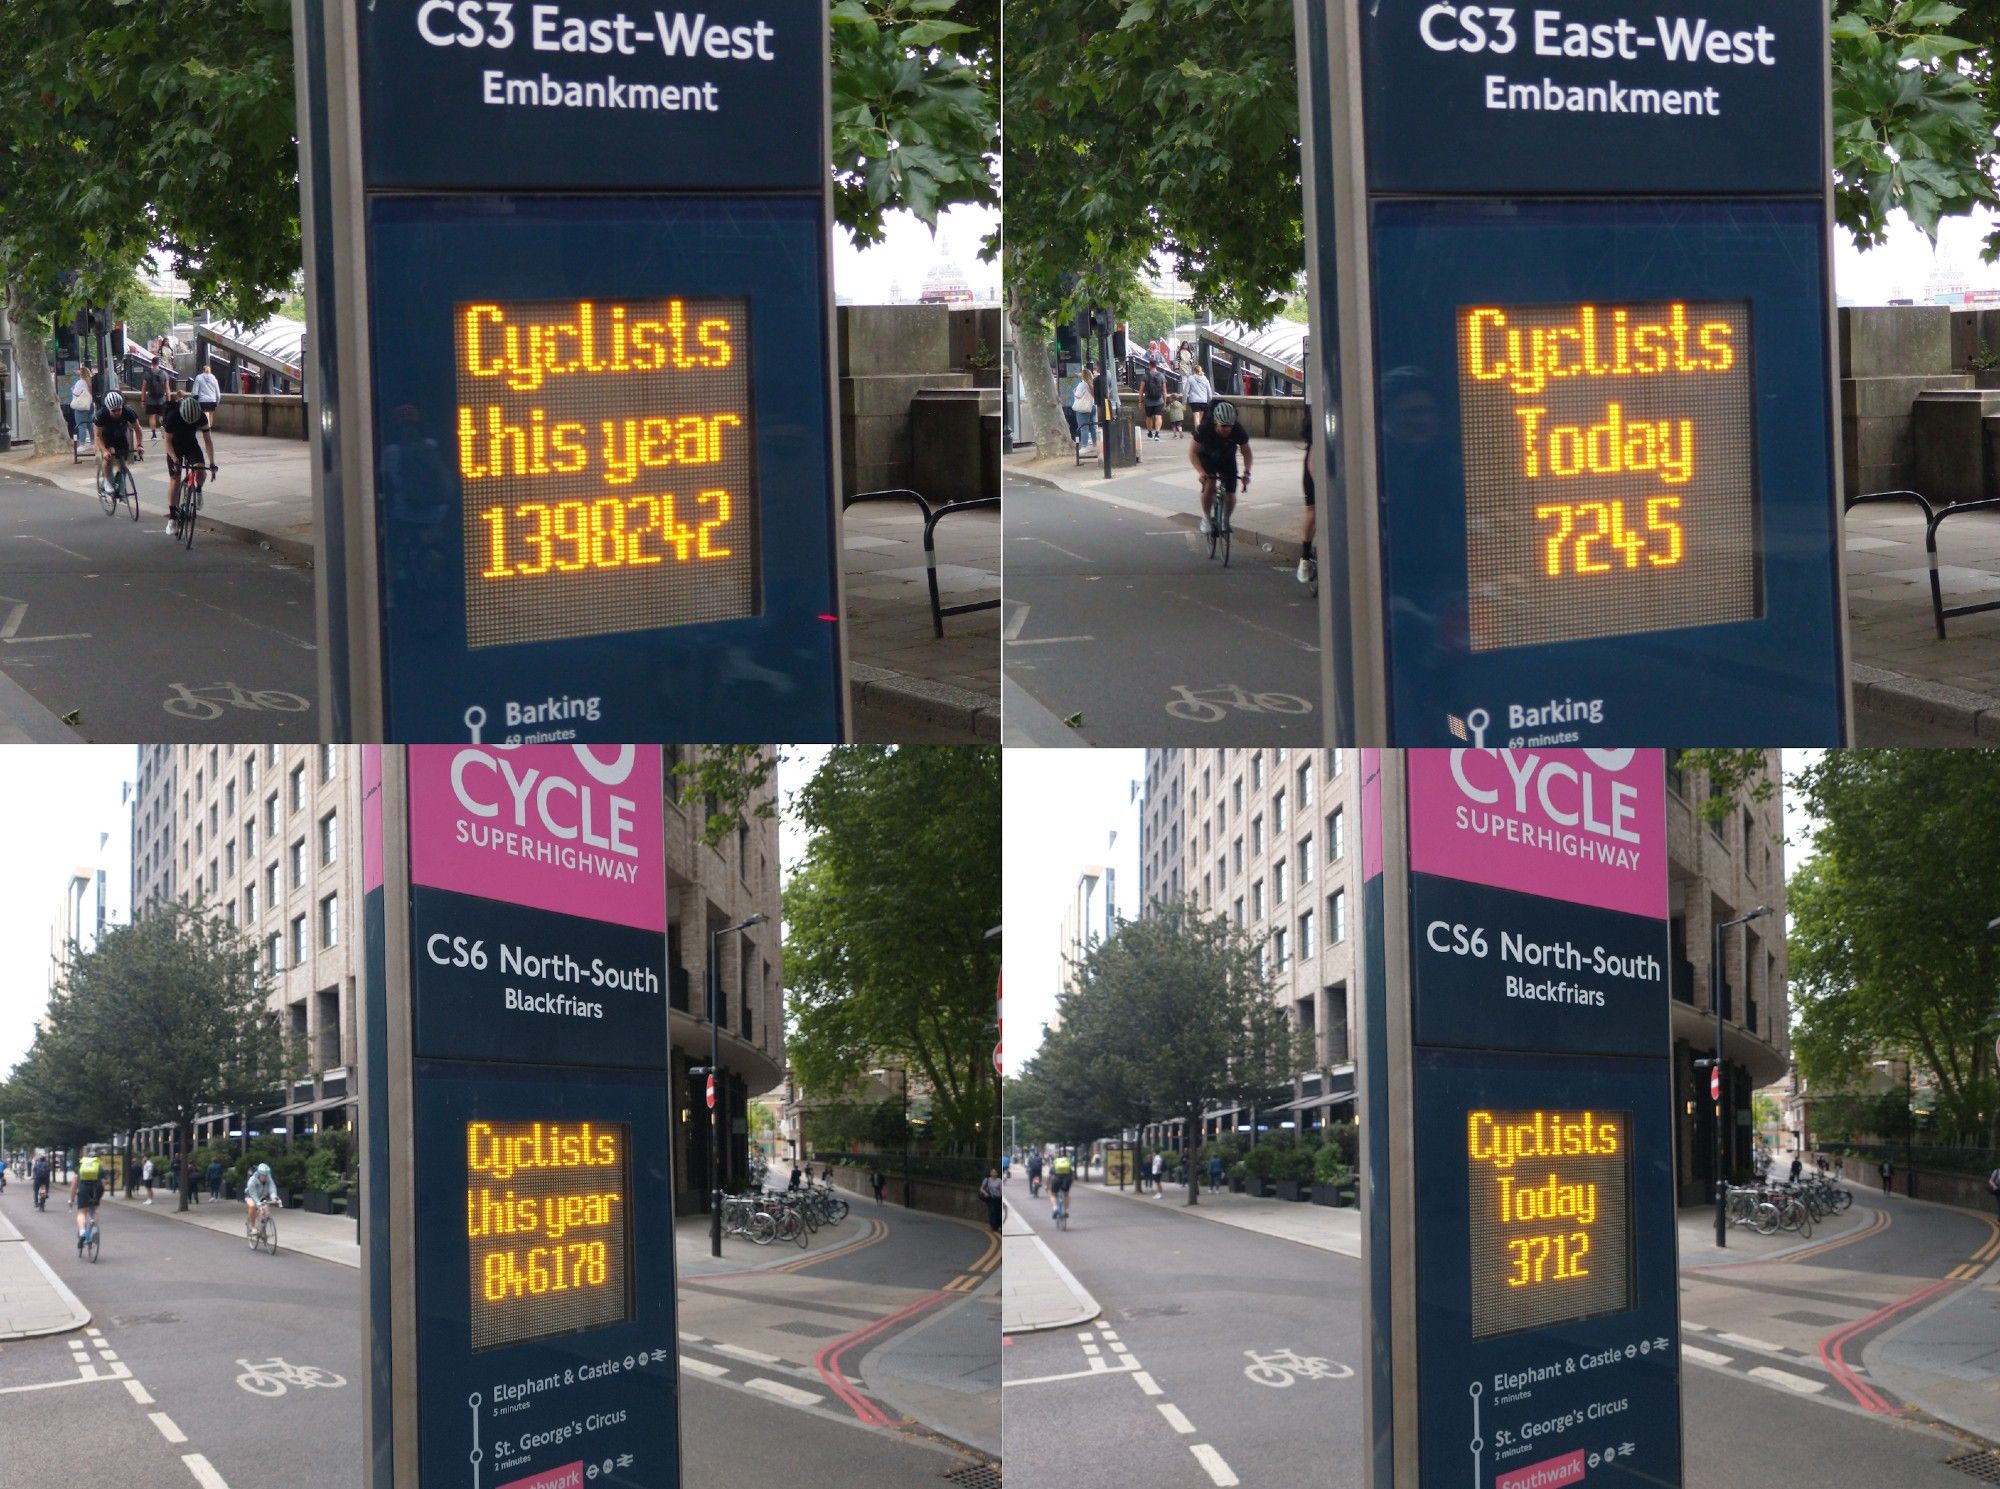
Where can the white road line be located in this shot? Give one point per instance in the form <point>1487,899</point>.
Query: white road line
<point>1211,1460</point>
<point>1702,1356</point>
<point>1698,1328</point>
<point>139,1393</point>
<point>1014,623</point>
<point>106,1354</point>
<point>1790,1382</point>
<point>1147,1383</point>
<point>1120,1349</point>
<point>1108,1333</point>
<point>1091,1349</point>
<point>204,1472</point>
<point>741,1353</point>
<point>1746,1341</point>
<point>1128,1368</point>
<point>1085,1335</point>
<point>94,1332</point>
<point>783,1392</point>
<point>703,1367</point>
<point>167,1428</point>
<point>1176,1418</point>
<point>1031,641</point>
<point>690,1339</point>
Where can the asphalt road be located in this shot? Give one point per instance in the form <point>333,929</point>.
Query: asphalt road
<point>1116,612</point>
<point>1162,1389</point>
<point>144,639</point>
<point>176,1312</point>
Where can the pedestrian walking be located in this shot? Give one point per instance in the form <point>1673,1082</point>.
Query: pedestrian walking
<point>146,1178</point>
<point>1083,403</point>
<point>1159,1168</point>
<point>81,408</point>
<point>989,1189</point>
<point>215,1178</point>
<point>879,1182</point>
<point>1888,1173</point>
<point>795,1178</point>
<point>1153,394</point>
<point>1214,1172</point>
<point>1798,1167</point>
<point>1199,393</point>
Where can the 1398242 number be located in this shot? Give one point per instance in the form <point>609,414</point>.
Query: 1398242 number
<point>613,532</point>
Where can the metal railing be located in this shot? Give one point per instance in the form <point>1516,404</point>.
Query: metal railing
<point>932,517</point>
<point>1933,520</point>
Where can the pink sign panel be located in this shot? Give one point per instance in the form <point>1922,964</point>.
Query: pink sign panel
<point>1550,1473</point>
<point>1371,813</point>
<point>576,829</point>
<point>1586,826</point>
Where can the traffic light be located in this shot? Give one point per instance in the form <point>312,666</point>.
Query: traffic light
<point>118,340</point>
<point>1069,346</point>
<point>1118,344</point>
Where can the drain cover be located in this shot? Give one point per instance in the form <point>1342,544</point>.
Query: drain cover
<point>1983,1465</point>
<point>975,1476</point>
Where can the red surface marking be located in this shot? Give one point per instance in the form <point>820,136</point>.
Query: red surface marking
<point>827,1361</point>
<point>1831,1347</point>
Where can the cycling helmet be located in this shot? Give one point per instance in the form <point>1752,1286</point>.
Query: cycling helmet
<point>263,1170</point>
<point>190,409</point>
<point>1223,413</point>
<point>114,401</point>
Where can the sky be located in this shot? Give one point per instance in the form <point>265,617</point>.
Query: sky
<point>1901,268</point>
<point>55,801</point>
<point>895,268</point>
<point>1061,807</point>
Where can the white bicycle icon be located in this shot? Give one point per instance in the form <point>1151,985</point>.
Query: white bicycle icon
<point>1283,1366</point>
<point>208,703</point>
<point>1212,705</point>
<point>274,1375</point>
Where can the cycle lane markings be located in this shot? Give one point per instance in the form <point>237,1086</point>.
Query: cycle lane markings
<point>167,1428</point>
<point>204,1472</point>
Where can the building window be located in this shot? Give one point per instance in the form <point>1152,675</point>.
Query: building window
<point>1282,943</point>
<point>327,758</point>
<point>298,863</point>
<point>229,858</point>
<point>1278,882</point>
<point>1336,835</point>
<point>1239,912</point>
<point>271,885</point>
<point>1236,851</point>
<point>298,940</point>
<point>298,787</point>
<point>213,880</point>
<point>273,948</point>
<point>1336,917</point>
<point>1256,770</point>
<point>250,774</point>
<point>1236,794</point>
<point>271,815</point>
<point>250,902</point>
<point>329,837</point>
<point>250,838</point>
<point>1308,946</point>
<point>1333,762</point>
<point>1256,834</point>
<point>229,798</point>
<point>329,921</point>
<point>1278,811</point>
<point>1257,900</point>
<point>1306,859</point>
<point>229,910</point>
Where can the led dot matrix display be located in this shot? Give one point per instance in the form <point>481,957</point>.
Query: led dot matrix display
<point>1610,469</point>
<point>606,452</point>
<point>548,1223</point>
<point>1551,1217</point>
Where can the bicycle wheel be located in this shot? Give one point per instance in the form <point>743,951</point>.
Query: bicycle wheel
<point>1765,1218</point>
<point>90,1242</point>
<point>761,1229</point>
<point>271,1235</point>
<point>1226,531</point>
<point>128,490</point>
<point>190,506</point>
<point>107,497</point>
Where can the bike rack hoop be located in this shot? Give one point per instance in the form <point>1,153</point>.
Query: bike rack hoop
<point>932,517</point>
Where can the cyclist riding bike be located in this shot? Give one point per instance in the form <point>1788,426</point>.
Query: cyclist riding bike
<point>184,423</point>
<point>118,431</point>
<point>86,1190</point>
<point>1062,1171</point>
<point>1212,451</point>
<point>1035,1173</point>
<point>259,1195</point>
<point>40,1191</point>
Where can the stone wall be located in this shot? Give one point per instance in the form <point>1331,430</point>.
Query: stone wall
<point>272,416</point>
<point>1889,356</point>
<point>914,396</point>
<point>933,1195</point>
<point>1934,1186</point>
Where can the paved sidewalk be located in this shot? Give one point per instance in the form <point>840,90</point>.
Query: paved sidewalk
<point>1698,1250</point>
<point>906,682</point>
<point>33,1299</point>
<point>1327,1227</point>
<point>1901,670</point>
<point>331,1238</point>
<point>1038,1292</point>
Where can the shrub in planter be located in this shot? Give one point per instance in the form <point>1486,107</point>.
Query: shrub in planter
<point>1260,1162</point>
<point>1331,1177</point>
<point>1237,1177</point>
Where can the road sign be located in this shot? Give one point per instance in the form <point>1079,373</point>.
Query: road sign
<point>1515,1073</point>
<point>515,1040</point>
<point>573,371</point>
<point>1551,281</point>
<point>1715,1085</point>
<point>711,1091</point>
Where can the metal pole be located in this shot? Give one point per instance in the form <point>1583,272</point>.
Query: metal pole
<point>714,1072</point>
<point>1715,1073</point>
<point>1909,1126</point>
<point>1103,329</point>
<point>906,1137</point>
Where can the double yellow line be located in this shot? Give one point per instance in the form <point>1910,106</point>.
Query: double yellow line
<point>979,1271</point>
<point>1983,1256</point>
<point>861,1244</point>
<point>1875,1227</point>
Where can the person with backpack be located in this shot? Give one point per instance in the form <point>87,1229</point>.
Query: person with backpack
<point>1153,393</point>
<point>155,389</point>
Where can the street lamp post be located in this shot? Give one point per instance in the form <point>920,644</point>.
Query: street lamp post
<point>906,1137</point>
<point>714,1072</point>
<point>1715,997</point>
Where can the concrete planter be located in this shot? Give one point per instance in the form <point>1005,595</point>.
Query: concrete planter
<point>1290,1189</point>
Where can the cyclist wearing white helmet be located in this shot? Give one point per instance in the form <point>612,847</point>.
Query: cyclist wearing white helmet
<point>186,424</point>
<point>117,433</point>
<point>1212,452</point>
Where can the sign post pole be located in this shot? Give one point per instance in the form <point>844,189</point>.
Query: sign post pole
<point>514,1042</point>
<point>573,371</point>
<point>1515,1070</point>
<point>1572,331</point>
